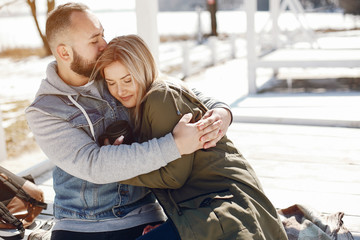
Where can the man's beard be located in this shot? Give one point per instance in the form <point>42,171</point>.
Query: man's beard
<point>81,66</point>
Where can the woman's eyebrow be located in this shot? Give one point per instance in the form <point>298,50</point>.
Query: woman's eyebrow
<point>125,76</point>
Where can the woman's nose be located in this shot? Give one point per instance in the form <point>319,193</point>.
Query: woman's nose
<point>121,91</point>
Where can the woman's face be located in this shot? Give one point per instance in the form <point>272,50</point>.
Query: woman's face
<point>120,84</point>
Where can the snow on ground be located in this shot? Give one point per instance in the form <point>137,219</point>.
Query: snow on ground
<point>20,79</point>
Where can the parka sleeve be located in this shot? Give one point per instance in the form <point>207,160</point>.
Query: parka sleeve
<point>160,116</point>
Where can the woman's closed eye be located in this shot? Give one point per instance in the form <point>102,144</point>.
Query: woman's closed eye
<point>110,83</point>
<point>127,80</point>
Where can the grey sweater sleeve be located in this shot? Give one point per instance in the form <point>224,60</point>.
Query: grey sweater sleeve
<point>76,152</point>
<point>210,102</point>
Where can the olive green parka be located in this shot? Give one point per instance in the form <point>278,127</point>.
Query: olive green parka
<point>212,193</point>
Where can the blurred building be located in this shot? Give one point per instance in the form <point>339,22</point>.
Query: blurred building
<point>190,5</point>
<point>228,5</point>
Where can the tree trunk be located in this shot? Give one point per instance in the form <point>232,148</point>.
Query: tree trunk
<point>212,7</point>
<point>32,4</point>
<point>50,5</point>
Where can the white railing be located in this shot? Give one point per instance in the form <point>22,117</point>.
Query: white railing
<point>190,57</point>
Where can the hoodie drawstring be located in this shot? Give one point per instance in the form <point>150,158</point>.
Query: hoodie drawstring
<point>85,114</point>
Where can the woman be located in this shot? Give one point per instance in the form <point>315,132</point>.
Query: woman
<point>210,194</point>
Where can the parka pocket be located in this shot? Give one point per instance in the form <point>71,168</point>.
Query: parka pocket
<point>210,215</point>
<point>204,200</point>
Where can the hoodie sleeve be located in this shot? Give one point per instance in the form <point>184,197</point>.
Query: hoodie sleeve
<point>75,152</point>
<point>211,103</point>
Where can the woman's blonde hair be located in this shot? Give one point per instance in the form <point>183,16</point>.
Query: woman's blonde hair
<point>133,53</point>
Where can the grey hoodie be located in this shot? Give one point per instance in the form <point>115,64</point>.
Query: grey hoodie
<point>66,129</point>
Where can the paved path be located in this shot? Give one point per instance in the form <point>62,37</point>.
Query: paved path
<point>315,166</point>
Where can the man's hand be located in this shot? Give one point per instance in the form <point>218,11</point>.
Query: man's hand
<point>187,135</point>
<point>218,120</point>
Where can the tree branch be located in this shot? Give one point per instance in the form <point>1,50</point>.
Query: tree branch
<point>9,3</point>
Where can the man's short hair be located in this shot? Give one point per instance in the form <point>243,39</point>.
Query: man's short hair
<point>59,20</point>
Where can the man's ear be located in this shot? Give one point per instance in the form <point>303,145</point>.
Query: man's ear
<point>64,52</point>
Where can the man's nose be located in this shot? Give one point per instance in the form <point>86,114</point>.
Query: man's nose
<point>103,45</point>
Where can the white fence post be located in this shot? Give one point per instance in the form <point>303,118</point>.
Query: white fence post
<point>274,13</point>
<point>199,34</point>
<point>186,58</point>
<point>2,141</point>
<point>212,45</point>
<point>251,7</point>
<point>233,46</point>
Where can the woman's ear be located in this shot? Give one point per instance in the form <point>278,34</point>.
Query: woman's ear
<point>64,52</point>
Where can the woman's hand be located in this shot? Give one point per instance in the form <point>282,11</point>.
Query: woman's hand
<point>187,135</point>
<point>217,121</point>
<point>118,141</point>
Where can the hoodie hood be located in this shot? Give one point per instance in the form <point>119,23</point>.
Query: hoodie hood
<point>53,84</point>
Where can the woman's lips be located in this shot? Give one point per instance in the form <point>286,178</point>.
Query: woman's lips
<point>125,98</point>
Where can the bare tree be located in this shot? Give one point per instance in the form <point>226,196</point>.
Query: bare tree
<point>350,6</point>
<point>50,7</point>
<point>212,7</point>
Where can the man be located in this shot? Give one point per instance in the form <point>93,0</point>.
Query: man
<point>70,113</point>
